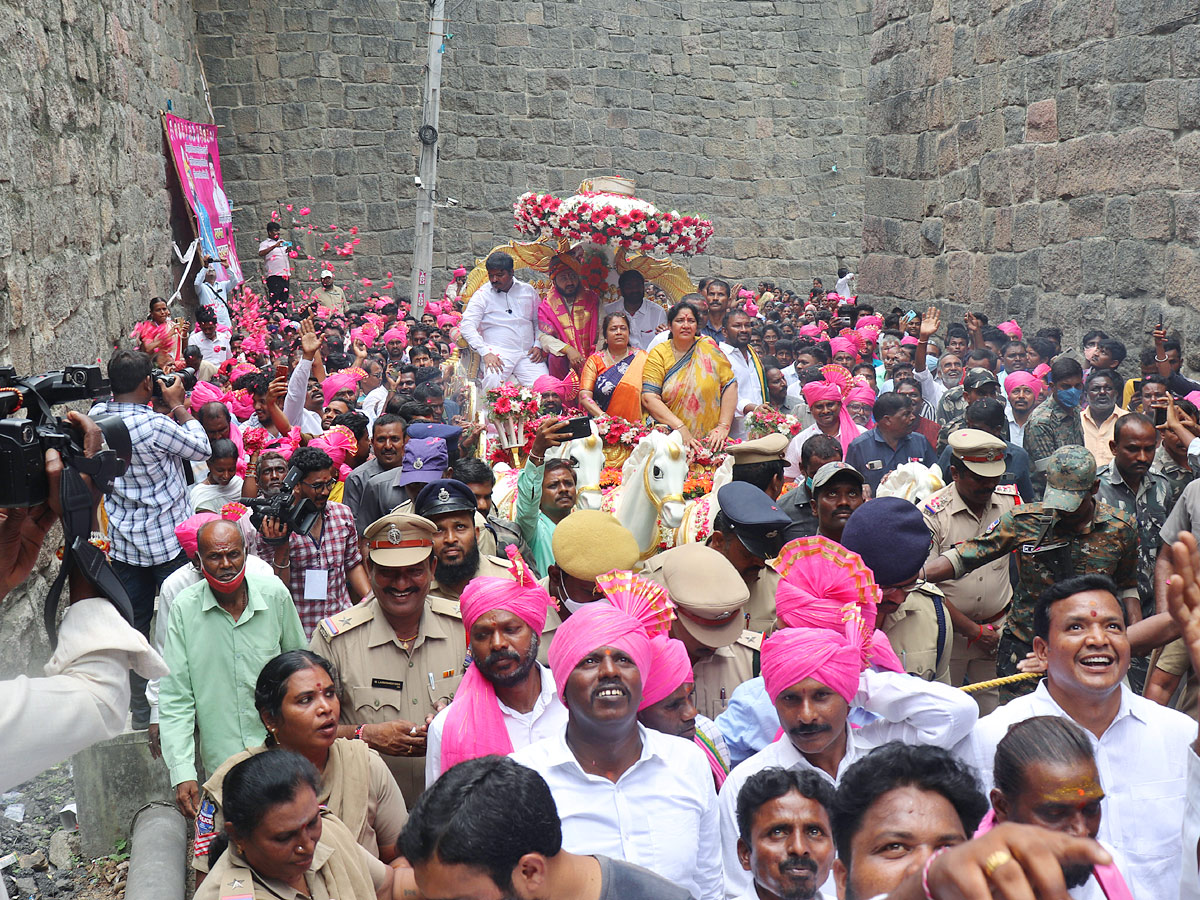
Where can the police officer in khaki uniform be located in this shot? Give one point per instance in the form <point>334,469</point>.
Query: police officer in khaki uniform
<point>891,537</point>
<point>978,602</point>
<point>760,462</point>
<point>748,531</point>
<point>710,598</point>
<point>450,505</point>
<point>399,654</point>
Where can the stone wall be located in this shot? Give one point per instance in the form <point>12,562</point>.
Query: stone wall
<point>1036,159</point>
<point>85,213</point>
<point>740,110</point>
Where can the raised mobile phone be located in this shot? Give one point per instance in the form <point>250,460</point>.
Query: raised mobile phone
<point>579,427</point>
<point>1160,415</point>
<point>282,371</point>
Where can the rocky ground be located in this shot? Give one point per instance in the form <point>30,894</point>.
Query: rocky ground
<point>47,861</point>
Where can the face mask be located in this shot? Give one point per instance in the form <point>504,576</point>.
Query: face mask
<point>1069,397</point>
<point>225,587</point>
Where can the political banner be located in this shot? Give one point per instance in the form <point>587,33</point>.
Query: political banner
<point>198,164</point>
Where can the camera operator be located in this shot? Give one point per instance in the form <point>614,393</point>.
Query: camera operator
<point>85,695</point>
<point>151,498</point>
<point>323,568</point>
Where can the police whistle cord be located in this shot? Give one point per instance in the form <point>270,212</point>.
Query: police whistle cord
<point>1000,682</point>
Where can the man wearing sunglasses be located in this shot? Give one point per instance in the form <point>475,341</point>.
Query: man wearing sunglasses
<point>323,568</point>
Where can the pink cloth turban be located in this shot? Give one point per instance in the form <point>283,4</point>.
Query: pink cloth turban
<point>813,329</point>
<point>366,334</point>
<point>188,530</point>
<point>1193,397</point>
<point>445,319</point>
<point>1023,379</point>
<point>545,383</point>
<point>860,393</point>
<point>339,381</point>
<point>840,344</point>
<point>474,724</point>
<point>205,392</point>
<point>1011,328</point>
<point>909,341</point>
<point>869,332</point>
<point>816,391</point>
<point>395,334</point>
<point>793,654</point>
<point>668,670</point>
<point>593,627</point>
<point>870,321</point>
<point>339,442</point>
<point>460,272</point>
<point>242,404</point>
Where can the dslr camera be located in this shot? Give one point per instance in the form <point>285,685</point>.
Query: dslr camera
<point>297,514</point>
<point>24,441</point>
<point>160,379</point>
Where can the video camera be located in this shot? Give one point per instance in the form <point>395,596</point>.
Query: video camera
<point>24,442</point>
<point>297,515</point>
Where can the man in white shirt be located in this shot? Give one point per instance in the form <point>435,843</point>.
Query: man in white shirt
<point>785,839</point>
<point>747,368</point>
<point>506,700</point>
<point>213,293</point>
<point>814,676</point>
<point>301,387</point>
<point>214,346</point>
<point>1141,747</point>
<point>646,318</point>
<point>274,252</point>
<point>623,790</point>
<point>500,324</point>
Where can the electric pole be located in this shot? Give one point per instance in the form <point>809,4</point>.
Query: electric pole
<point>427,171</point>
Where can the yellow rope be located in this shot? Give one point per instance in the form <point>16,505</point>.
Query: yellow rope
<point>1000,682</point>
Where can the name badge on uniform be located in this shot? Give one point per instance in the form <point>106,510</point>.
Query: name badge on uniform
<point>389,683</point>
<point>874,464</point>
<point>316,584</point>
<point>1042,548</point>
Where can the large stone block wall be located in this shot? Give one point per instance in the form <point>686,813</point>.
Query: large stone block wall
<point>1036,159</point>
<point>739,110</point>
<point>85,212</point>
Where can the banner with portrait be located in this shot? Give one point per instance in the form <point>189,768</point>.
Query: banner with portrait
<point>198,164</point>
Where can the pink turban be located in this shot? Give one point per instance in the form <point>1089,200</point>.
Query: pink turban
<point>1193,397</point>
<point>1023,379</point>
<point>339,381</point>
<point>813,329</point>
<point>187,531</point>
<point>817,391</point>
<point>1040,371</point>
<point>593,627</point>
<point>242,368</point>
<point>366,334</point>
<point>460,272</point>
<point>840,344</point>
<point>669,668</point>
<point>445,319</point>
<point>1011,328</point>
<point>340,443</point>
<point>545,383</point>
<point>242,404</point>
<point>870,322</point>
<point>870,333</point>
<point>205,392</point>
<point>793,654</point>
<point>909,341</point>
<point>474,725</point>
<point>394,334</point>
<point>860,393</point>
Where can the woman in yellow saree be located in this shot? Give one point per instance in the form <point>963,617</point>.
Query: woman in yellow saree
<point>611,383</point>
<point>688,384</point>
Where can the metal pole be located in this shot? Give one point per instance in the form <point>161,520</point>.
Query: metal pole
<point>427,172</point>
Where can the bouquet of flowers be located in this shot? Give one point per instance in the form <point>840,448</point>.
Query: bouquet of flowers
<point>615,431</point>
<point>766,420</point>
<point>511,406</point>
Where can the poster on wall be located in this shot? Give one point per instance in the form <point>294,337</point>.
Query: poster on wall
<point>198,164</point>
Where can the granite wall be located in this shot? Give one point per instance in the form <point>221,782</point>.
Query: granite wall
<point>1037,159</point>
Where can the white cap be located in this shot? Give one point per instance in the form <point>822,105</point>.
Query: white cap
<point>328,272</point>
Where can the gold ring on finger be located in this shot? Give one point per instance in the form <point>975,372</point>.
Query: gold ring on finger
<point>995,861</point>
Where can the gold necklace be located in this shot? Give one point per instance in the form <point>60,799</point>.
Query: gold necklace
<point>406,643</point>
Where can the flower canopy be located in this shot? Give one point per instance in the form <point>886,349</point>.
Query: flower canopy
<point>599,217</point>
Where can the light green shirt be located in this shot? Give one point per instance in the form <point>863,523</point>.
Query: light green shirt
<point>214,664</point>
<point>536,527</point>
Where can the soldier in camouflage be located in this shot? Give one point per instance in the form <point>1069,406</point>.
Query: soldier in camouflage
<point>1132,486</point>
<point>1055,422</point>
<point>1069,533</point>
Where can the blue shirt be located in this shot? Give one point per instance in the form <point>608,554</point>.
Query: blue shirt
<point>874,458</point>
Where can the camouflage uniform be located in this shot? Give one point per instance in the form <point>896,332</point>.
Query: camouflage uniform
<point>1148,509</point>
<point>1045,557</point>
<point>1178,477</point>
<point>952,405</point>
<point>958,423</point>
<point>1050,426</point>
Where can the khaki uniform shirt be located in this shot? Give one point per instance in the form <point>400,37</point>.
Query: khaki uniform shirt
<point>913,630</point>
<point>760,608</point>
<point>381,682</point>
<point>489,566</point>
<point>982,594</point>
<point>728,667</point>
<point>334,298</point>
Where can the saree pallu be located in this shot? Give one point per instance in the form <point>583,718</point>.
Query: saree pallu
<point>691,384</point>
<point>617,389</point>
<point>576,326</point>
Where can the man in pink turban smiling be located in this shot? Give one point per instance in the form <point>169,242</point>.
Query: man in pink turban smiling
<point>816,674</point>
<point>506,700</point>
<point>621,789</point>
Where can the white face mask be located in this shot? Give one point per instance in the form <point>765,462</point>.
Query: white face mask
<point>570,604</point>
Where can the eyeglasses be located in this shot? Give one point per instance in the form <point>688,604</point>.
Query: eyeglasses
<point>320,486</point>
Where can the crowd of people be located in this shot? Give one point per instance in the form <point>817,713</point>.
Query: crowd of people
<point>377,679</point>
